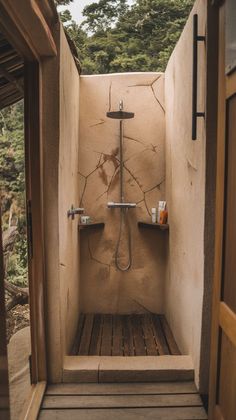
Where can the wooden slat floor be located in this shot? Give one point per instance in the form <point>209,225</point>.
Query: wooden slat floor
<point>152,401</point>
<point>124,335</point>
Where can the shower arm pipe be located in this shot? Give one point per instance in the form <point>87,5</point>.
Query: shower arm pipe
<point>121,162</point>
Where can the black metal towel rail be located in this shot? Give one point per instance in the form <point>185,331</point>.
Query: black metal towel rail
<point>195,114</point>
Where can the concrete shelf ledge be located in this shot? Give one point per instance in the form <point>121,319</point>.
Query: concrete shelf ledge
<point>150,225</point>
<point>93,225</point>
<point>95,369</point>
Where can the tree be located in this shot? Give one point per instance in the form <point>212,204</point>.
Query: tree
<point>65,15</point>
<point>63,2</point>
<point>116,37</point>
<point>12,189</point>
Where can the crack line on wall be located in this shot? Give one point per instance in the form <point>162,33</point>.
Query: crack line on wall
<point>133,139</point>
<point>109,185</point>
<point>95,259</point>
<point>142,306</point>
<point>134,178</point>
<point>191,165</point>
<point>99,123</point>
<point>155,186</point>
<point>145,202</point>
<point>159,103</point>
<point>154,81</point>
<point>83,192</point>
<point>110,88</point>
<point>146,84</point>
<point>153,91</point>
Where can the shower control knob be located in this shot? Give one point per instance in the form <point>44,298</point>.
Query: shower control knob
<point>73,211</point>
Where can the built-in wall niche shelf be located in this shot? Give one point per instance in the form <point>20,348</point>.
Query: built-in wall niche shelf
<point>150,225</point>
<point>92,225</point>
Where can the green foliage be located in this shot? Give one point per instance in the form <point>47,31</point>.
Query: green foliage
<point>116,37</point>
<point>12,188</point>
<point>63,2</point>
<point>65,16</point>
<point>102,15</point>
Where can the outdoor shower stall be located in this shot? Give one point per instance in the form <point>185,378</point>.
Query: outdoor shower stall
<point>164,267</point>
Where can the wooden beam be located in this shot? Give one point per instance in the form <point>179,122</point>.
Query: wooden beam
<point>14,35</point>
<point>10,100</point>
<point>8,89</point>
<point>29,20</point>
<point>11,78</point>
<point>49,10</point>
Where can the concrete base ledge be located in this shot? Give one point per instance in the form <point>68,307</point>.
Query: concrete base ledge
<point>96,369</point>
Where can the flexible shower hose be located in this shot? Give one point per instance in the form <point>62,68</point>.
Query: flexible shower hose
<point>122,222</point>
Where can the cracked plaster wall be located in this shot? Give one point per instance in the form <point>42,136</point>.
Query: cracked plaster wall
<point>102,287</point>
<point>185,191</point>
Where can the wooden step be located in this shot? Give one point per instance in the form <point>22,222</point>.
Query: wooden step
<point>120,369</point>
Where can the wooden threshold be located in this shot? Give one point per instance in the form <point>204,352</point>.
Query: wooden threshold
<point>102,369</point>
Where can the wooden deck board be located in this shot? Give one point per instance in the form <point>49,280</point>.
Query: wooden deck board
<point>169,337</point>
<point>123,388</point>
<point>166,413</point>
<point>138,401</point>
<point>151,347</point>
<point>159,337</point>
<point>86,335</point>
<point>128,337</point>
<point>124,335</point>
<point>117,346</point>
<point>96,339</point>
<point>139,342</point>
<point>121,401</point>
<point>75,348</point>
<point>106,346</point>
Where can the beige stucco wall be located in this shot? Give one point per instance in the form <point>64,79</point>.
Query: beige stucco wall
<point>68,194</point>
<point>60,134</point>
<point>103,287</point>
<point>185,192</point>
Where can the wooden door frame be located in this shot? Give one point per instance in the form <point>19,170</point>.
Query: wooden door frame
<point>33,47</point>
<point>219,212</point>
<point>222,316</point>
<point>33,174</point>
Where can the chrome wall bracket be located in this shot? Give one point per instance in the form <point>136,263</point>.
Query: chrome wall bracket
<point>73,211</point>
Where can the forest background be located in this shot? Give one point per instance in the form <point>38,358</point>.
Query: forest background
<point>114,37</point>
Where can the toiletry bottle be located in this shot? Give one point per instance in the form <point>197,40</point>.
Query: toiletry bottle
<point>154,215</point>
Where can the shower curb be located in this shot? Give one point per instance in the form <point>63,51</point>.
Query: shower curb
<point>105,369</point>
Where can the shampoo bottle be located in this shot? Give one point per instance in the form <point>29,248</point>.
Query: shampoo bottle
<point>154,215</point>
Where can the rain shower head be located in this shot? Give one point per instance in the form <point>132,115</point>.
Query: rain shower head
<point>120,115</point>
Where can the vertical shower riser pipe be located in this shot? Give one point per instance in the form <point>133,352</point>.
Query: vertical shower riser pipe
<point>121,164</point>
